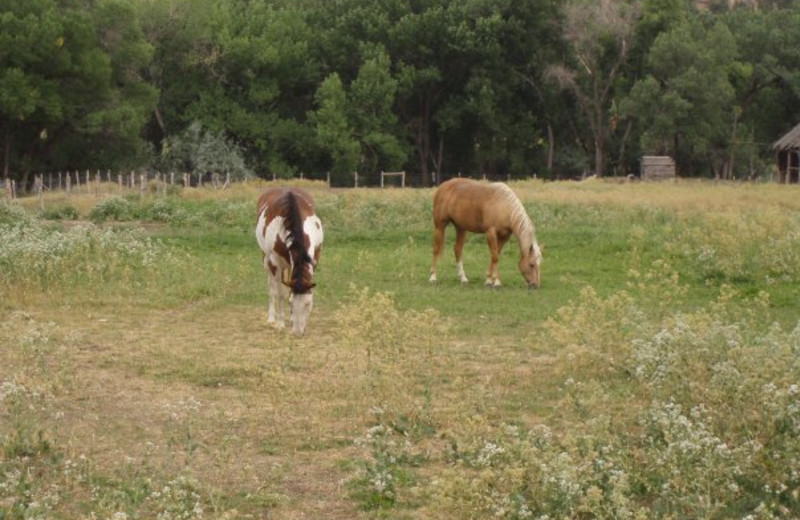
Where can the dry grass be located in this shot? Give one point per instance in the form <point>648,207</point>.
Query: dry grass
<point>683,196</point>
<point>265,422</point>
<point>245,409</point>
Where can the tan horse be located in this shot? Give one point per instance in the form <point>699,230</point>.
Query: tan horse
<point>492,209</point>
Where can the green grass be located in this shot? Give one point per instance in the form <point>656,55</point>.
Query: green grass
<point>149,384</point>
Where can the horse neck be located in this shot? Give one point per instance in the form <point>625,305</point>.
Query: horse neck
<point>520,222</point>
<point>298,254</point>
<point>301,270</point>
<point>525,236</point>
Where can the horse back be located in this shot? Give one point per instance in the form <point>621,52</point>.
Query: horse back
<point>274,201</point>
<point>468,204</point>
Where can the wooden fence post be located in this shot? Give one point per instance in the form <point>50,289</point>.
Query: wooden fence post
<point>401,174</point>
<point>39,183</point>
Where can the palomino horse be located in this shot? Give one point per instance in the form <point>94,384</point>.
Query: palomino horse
<point>290,236</point>
<point>493,209</point>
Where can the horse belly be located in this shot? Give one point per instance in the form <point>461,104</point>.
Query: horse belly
<point>468,216</point>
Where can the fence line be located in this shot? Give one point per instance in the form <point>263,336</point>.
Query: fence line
<point>102,183</point>
<point>99,183</point>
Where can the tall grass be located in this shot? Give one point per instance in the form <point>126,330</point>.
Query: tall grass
<point>38,256</point>
<point>654,374</point>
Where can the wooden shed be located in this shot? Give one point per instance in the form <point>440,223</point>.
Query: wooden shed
<point>657,167</point>
<point>787,150</point>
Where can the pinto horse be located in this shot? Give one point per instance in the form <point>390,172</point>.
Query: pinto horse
<point>489,208</point>
<point>290,236</point>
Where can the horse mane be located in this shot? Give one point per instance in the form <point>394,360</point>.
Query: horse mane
<point>520,221</point>
<point>295,244</point>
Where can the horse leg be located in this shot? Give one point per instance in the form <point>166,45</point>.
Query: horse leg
<point>276,299</point>
<point>491,272</point>
<point>438,243</point>
<point>493,276</point>
<point>274,290</point>
<point>461,236</point>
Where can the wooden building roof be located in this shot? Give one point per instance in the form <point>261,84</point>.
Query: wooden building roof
<point>790,140</point>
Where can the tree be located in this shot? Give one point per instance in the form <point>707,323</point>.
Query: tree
<point>201,152</point>
<point>766,83</point>
<point>70,87</point>
<point>599,34</point>
<point>333,129</point>
<point>372,96</point>
<point>184,59</point>
<point>686,105</point>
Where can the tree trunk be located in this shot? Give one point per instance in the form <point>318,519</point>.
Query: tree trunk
<point>733,143</point>
<point>624,144</point>
<point>6,153</point>
<point>437,164</point>
<point>550,147</point>
<point>599,155</point>
<point>424,140</point>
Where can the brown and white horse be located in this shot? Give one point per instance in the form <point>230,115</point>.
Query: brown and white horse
<point>290,236</point>
<point>489,208</point>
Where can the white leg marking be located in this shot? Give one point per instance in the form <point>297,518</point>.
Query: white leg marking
<point>460,272</point>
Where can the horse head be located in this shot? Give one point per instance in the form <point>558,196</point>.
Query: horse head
<point>530,266</point>
<point>301,298</point>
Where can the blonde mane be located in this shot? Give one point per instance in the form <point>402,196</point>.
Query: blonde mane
<point>520,221</point>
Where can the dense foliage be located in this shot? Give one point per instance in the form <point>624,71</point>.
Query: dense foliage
<point>434,87</point>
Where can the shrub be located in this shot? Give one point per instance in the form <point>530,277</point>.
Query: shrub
<point>37,255</point>
<point>67,212</point>
<point>668,415</point>
<point>12,214</point>
<point>111,208</point>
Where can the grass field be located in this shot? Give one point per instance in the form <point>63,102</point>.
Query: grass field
<point>653,375</point>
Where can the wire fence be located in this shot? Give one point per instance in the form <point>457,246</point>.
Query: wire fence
<point>105,182</point>
<point>100,183</point>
